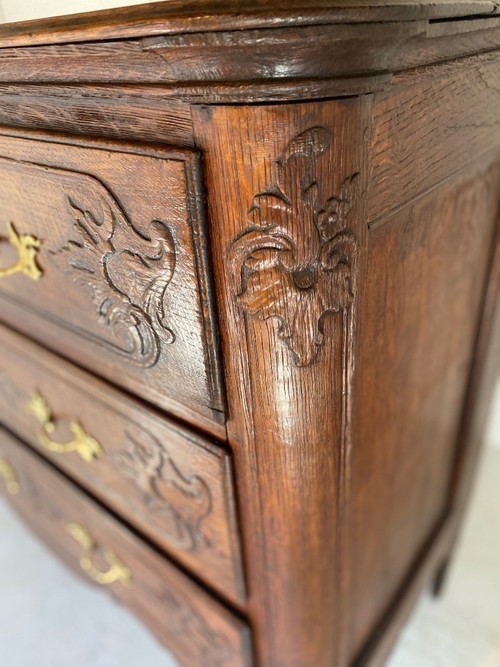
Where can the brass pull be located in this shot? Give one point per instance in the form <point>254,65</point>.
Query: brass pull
<point>9,476</point>
<point>83,443</point>
<point>117,570</point>
<point>27,248</point>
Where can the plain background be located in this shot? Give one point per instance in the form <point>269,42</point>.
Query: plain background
<point>25,10</point>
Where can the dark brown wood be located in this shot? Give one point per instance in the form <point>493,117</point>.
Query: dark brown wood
<point>348,155</point>
<point>173,485</point>
<point>193,625</point>
<point>287,258</point>
<point>243,61</point>
<point>429,125</point>
<point>139,115</point>
<point>485,374</point>
<point>123,247</point>
<point>413,366</point>
<point>237,56</point>
<point>177,16</point>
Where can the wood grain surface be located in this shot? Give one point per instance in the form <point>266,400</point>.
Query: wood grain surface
<point>239,57</point>
<point>197,629</point>
<point>347,154</point>
<point>138,114</point>
<point>419,323</point>
<point>122,247</point>
<point>179,16</point>
<point>429,124</point>
<point>171,484</point>
<point>286,193</point>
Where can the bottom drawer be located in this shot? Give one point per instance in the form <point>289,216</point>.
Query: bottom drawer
<point>194,626</point>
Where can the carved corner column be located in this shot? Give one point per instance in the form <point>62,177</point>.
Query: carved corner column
<point>286,190</point>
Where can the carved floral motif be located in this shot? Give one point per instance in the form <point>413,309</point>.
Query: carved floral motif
<point>126,271</point>
<point>298,278</point>
<point>180,502</point>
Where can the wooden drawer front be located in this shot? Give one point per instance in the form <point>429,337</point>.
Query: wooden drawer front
<point>195,627</point>
<point>101,258</point>
<point>172,485</point>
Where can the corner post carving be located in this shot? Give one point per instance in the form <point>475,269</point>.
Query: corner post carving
<point>279,275</point>
<point>285,192</point>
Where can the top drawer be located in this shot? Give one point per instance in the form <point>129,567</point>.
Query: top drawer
<point>102,258</point>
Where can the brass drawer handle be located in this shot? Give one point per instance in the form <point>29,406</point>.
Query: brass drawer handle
<point>9,477</point>
<point>117,570</point>
<point>83,443</point>
<point>27,248</point>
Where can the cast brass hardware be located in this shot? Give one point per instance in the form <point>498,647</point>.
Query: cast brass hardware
<point>83,443</point>
<point>117,570</point>
<point>27,248</point>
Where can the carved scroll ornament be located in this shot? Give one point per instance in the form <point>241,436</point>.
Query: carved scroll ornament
<point>298,278</point>
<point>127,272</point>
<point>180,502</point>
<point>123,268</point>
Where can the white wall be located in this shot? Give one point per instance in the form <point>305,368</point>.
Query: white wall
<point>24,10</point>
<point>493,430</point>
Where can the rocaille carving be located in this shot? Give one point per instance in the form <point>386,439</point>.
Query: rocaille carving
<point>126,271</point>
<point>181,502</point>
<point>298,279</point>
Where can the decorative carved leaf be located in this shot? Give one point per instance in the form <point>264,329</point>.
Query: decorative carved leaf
<point>283,277</point>
<point>126,271</point>
<point>182,502</point>
<point>142,270</point>
<point>310,144</point>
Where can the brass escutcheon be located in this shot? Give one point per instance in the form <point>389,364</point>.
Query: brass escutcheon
<point>27,248</point>
<point>83,443</point>
<point>117,570</point>
<point>9,477</point>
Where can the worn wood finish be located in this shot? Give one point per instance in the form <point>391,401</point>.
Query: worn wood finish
<point>185,16</point>
<point>486,372</point>
<point>429,125</point>
<point>351,237</point>
<point>123,246</point>
<point>173,485</point>
<point>432,563</point>
<point>287,257</point>
<point>229,56</point>
<point>193,625</point>
<point>413,365</point>
<point>139,114</point>
<point>268,62</point>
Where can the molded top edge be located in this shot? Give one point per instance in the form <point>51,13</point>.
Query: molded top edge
<point>187,16</point>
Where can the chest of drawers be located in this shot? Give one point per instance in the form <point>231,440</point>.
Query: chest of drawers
<point>249,295</point>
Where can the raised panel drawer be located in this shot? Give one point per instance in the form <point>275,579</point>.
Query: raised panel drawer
<point>102,258</point>
<point>199,630</point>
<point>171,484</point>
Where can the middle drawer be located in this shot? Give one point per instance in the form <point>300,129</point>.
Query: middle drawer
<point>172,485</point>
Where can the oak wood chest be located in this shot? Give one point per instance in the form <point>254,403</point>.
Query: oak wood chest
<point>249,304</point>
